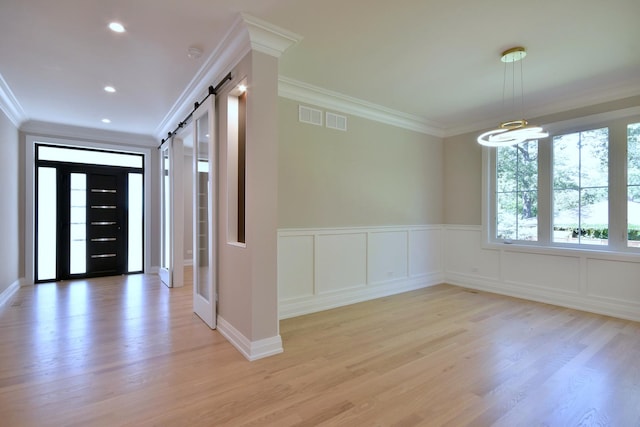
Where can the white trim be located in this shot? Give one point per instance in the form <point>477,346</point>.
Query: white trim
<point>268,38</point>
<point>10,104</point>
<point>187,262</point>
<point>251,350</point>
<point>29,226</point>
<point>84,134</point>
<point>561,107</point>
<point>361,229</point>
<point>154,269</point>
<point>246,33</point>
<point>9,292</point>
<point>310,94</point>
<point>608,307</point>
<point>325,301</point>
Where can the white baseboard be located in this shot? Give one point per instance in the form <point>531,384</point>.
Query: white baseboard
<point>153,270</point>
<point>314,303</point>
<point>630,311</point>
<point>187,262</point>
<point>251,350</point>
<point>8,293</point>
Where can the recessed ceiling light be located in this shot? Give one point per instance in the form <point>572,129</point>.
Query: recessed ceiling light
<point>116,27</point>
<point>106,121</point>
<point>109,89</point>
<point>242,88</point>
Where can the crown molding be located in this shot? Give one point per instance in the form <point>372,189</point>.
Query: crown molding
<point>246,33</point>
<point>34,127</point>
<point>233,47</point>
<point>10,105</point>
<point>307,93</point>
<point>589,99</point>
<point>268,38</point>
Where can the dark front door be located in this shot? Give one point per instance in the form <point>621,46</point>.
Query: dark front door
<point>92,208</point>
<point>106,227</point>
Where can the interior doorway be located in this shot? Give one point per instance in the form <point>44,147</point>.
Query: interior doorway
<point>89,218</point>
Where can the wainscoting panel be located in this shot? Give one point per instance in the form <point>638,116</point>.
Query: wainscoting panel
<point>324,268</point>
<point>463,255</point>
<point>605,283</point>
<point>601,283</point>
<point>425,251</point>
<point>388,256</point>
<point>341,261</point>
<point>542,271</point>
<point>295,266</point>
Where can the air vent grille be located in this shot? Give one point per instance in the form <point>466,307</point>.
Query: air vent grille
<point>309,115</point>
<point>336,121</point>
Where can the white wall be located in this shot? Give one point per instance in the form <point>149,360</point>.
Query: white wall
<point>10,218</point>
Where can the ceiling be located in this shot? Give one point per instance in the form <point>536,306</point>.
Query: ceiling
<point>437,60</point>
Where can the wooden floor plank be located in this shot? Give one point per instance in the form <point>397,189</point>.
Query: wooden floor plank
<point>128,351</point>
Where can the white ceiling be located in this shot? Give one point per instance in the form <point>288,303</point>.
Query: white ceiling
<point>438,60</point>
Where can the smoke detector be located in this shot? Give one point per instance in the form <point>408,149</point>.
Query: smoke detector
<point>194,52</point>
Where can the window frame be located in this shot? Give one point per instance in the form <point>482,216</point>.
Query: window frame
<point>617,122</point>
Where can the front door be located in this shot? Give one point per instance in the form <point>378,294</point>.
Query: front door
<point>92,209</point>
<point>106,223</point>
<point>89,217</point>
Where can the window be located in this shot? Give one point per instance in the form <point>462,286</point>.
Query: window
<point>633,185</point>
<point>581,187</point>
<point>517,192</point>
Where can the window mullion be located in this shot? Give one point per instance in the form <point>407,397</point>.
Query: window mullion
<point>618,186</point>
<point>545,195</point>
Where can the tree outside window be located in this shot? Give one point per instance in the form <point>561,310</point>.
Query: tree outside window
<point>517,192</point>
<point>633,185</point>
<point>581,187</point>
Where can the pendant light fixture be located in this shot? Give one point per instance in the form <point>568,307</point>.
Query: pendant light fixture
<point>512,132</point>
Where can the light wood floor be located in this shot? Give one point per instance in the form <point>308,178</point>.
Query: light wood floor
<point>128,351</point>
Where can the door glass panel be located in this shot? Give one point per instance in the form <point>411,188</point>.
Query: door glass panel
<point>135,221</point>
<point>202,208</point>
<point>78,226</point>
<point>166,211</point>
<point>47,230</point>
<point>74,155</point>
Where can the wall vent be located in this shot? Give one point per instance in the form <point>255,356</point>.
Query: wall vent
<point>336,121</point>
<point>309,115</point>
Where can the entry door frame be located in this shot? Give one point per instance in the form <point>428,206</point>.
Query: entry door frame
<point>129,145</point>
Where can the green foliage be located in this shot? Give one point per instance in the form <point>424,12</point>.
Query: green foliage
<point>517,175</point>
<point>598,231</point>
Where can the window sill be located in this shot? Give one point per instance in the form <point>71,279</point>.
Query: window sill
<point>631,255</point>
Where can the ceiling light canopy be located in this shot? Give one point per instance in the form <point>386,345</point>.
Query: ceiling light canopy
<point>512,132</point>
